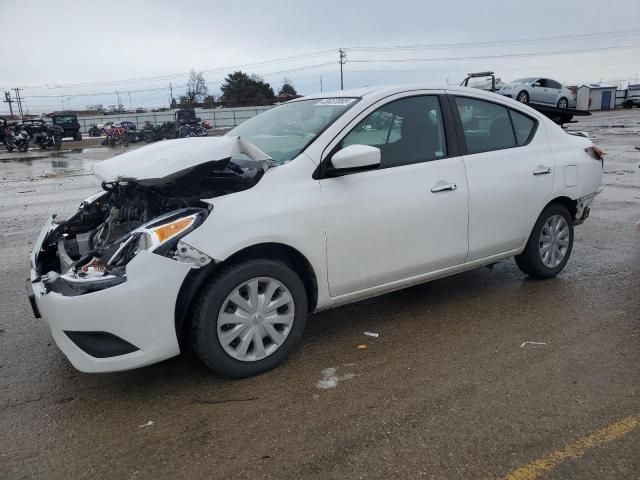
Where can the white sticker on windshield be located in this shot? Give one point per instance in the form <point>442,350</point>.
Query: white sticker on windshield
<point>336,101</point>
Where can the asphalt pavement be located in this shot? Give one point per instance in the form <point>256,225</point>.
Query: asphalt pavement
<point>450,389</point>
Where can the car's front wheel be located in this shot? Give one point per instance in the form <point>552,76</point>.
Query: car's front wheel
<point>563,103</point>
<point>550,244</point>
<point>523,97</point>
<point>249,318</point>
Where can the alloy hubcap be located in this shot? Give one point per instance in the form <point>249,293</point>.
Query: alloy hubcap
<point>554,241</point>
<point>255,319</point>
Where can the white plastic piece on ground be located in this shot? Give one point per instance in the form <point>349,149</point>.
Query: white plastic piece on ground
<point>146,424</point>
<point>330,379</point>
<point>524,344</point>
<point>372,334</point>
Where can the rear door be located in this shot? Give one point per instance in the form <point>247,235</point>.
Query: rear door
<point>509,170</point>
<point>407,217</point>
<point>555,90</point>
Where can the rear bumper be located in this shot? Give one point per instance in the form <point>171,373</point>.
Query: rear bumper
<point>123,327</point>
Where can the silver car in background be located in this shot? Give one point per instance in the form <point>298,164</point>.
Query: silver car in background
<point>539,90</point>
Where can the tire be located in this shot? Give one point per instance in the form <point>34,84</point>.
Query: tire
<point>531,260</point>
<point>206,331</point>
<point>77,137</point>
<point>563,103</point>
<point>24,147</point>
<point>523,97</point>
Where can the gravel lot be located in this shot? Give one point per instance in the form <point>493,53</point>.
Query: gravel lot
<point>447,390</point>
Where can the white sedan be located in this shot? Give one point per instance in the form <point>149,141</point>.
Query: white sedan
<point>231,242</point>
<point>543,91</point>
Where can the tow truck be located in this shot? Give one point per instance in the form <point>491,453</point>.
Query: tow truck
<point>558,115</point>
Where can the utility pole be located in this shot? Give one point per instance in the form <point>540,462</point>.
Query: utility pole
<point>19,102</point>
<point>118,95</point>
<point>320,83</point>
<point>62,101</point>
<point>69,102</point>
<point>343,56</point>
<point>7,99</point>
<point>170,96</point>
<point>130,104</point>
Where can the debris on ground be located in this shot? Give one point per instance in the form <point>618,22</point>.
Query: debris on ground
<point>524,344</point>
<point>372,334</point>
<point>146,424</point>
<point>362,346</point>
<point>330,379</point>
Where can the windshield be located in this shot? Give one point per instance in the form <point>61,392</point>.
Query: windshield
<point>284,131</point>
<point>524,80</point>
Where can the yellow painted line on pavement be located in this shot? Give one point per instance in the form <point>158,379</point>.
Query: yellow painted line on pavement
<point>577,449</point>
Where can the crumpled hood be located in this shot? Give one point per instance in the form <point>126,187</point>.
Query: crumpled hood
<point>162,161</point>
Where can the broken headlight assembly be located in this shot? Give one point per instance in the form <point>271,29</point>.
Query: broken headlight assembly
<point>105,265</point>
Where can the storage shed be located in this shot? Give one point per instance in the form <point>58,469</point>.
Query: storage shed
<point>596,96</point>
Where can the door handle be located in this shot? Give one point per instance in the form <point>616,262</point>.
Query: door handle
<point>542,170</point>
<point>443,187</point>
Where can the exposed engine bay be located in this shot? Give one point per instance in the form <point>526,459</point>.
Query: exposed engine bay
<point>90,250</point>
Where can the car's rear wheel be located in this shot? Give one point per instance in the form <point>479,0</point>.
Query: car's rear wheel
<point>563,103</point>
<point>550,244</point>
<point>523,97</point>
<point>249,318</point>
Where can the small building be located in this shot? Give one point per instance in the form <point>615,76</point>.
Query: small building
<point>596,96</point>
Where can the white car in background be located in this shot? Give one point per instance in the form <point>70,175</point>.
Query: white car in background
<point>544,91</point>
<point>232,241</point>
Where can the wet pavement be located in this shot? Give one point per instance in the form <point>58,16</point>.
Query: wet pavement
<point>449,388</point>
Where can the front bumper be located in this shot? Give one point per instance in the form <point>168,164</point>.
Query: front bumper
<point>139,312</point>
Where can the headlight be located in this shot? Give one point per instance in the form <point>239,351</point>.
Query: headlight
<point>151,238</point>
<point>160,236</point>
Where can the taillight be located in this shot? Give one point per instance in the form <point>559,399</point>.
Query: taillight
<point>595,152</point>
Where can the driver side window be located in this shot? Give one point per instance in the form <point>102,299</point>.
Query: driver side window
<point>406,131</point>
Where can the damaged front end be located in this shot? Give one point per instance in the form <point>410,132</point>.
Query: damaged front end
<point>90,250</point>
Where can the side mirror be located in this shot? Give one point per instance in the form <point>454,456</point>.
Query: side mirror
<point>535,84</point>
<point>356,157</point>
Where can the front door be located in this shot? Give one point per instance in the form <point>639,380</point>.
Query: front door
<point>406,218</point>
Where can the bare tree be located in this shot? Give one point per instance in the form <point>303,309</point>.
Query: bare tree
<point>196,88</point>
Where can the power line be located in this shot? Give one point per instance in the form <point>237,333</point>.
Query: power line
<point>485,57</point>
<point>176,75</point>
<point>263,63</point>
<point>490,43</point>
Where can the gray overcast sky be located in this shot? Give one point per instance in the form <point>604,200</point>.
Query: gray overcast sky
<point>65,42</point>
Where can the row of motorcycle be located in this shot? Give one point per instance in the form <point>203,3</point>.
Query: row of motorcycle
<point>125,132</point>
<point>17,135</point>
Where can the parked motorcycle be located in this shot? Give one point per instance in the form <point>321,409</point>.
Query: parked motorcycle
<point>95,131</point>
<point>50,138</point>
<point>16,138</point>
<point>116,135</point>
<point>185,130</point>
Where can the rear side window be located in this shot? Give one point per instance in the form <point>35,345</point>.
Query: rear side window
<point>486,125</point>
<point>523,126</point>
